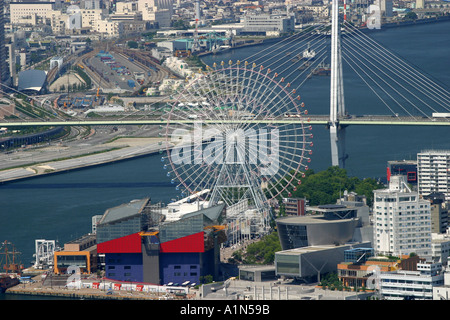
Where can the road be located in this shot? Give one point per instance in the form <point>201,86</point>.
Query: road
<point>311,120</point>
<point>97,147</point>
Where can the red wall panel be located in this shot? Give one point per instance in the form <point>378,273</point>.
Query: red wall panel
<point>192,243</point>
<point>127,244</point>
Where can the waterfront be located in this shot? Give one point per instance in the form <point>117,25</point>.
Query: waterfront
<point>60,206</point>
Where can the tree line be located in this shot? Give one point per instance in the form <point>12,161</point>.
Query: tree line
<point>324,187</point>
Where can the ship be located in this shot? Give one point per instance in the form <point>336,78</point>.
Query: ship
<point>322,69</point>
<point>7,281</point>
<point>308,54</point>
<point>12,270</point>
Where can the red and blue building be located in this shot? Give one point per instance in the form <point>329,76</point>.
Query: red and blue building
<point>139,246</point>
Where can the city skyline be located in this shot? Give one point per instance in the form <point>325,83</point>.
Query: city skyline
<point>177,246</point>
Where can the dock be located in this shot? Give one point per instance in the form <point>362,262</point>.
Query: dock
<point>56,286</point>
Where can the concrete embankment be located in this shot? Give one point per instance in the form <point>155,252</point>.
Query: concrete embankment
<point>118,152</point>
<point>58,286</point>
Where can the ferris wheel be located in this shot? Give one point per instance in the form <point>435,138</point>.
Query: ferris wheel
<point>238,130</point>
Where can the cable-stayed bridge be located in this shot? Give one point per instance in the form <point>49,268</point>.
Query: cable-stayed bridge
<point>378,120</point>
<point>400,92</point>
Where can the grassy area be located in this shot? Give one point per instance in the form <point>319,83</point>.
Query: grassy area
<point>61,159</point>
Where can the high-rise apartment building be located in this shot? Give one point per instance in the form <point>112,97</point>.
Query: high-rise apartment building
<point>439,212</point>
<point>5,76</point>
<point>159,11</point>
<point>402,220</point>
<point>433,172</point>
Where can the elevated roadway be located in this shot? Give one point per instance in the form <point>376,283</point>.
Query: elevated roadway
<point>311,120</point>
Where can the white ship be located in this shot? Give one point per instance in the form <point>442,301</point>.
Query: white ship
<point>308,54</point>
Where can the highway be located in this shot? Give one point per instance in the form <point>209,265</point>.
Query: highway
<point>310,120</point>
<point>102,145</point>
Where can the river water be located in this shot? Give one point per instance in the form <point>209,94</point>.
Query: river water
<point>59,207</point>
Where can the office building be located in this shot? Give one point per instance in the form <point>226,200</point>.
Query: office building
<point>402,220</point>
<point>109,28</point>
<point>420,4</point>
<point>412,285</point>
<point>159,11</point>
<point>11,58</point>
<point>407,168</point>
<point>440,247</point>
<point>439,212</point>
<point>267,23</point>
<point>29,12</point>
<point>295,206</point>
<point>91,4</point>
<point>80,253</point>
<point>5,77</point>
<point>386,7</point>
<point>442,292</point>
<point>309,263</point>
<point>360,265</point>
<point>432,169</point>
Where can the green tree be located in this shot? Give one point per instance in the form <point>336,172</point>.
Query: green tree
<point>411,16</point>
<point>327,186</point>
<point>133,44</point>
<point>180,24</point>
<point>206,279</point>
<point>261,252</point>
<point>331,281</point>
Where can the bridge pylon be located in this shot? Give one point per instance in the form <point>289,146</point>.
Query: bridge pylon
<point>337,101</point>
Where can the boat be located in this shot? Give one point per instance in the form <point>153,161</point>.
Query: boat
<point>12,269</point>
<point>308,54</point>
<point>7,281</point>
<point>322,69</point>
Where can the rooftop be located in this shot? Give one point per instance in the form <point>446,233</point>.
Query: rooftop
<point>32,80</point>
<point>329,208</point>
<point>297,251</point>
<point>126,210</point>
<point>311,219</point>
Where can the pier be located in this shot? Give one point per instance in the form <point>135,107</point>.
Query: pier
<point>57,287</point>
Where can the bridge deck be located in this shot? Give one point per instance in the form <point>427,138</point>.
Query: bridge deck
<point>312,120</point>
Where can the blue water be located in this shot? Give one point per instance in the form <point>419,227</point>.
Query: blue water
<point>60,207</point>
